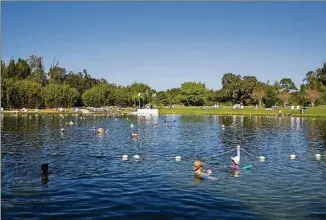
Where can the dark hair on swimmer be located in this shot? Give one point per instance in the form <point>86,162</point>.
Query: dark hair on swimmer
<point>45,168</point>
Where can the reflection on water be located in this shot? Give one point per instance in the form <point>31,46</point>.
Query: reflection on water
<point>87,177</point>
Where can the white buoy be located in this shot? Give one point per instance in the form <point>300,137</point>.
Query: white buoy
<point>132,125</point>
<point>223,126</point>
<point>136,157</point>
<point>124,157</point>
<point>318,156</point>
<point>292,156</point>
<point>71,123</point>
<point>62,129</point>
<point>261,158</point>
<point>178,158</point>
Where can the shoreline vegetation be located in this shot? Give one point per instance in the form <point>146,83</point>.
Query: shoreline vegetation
<point>26,84</point>
<point>318,111</point>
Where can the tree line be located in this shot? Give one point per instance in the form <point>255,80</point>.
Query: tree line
<point>26,84</point>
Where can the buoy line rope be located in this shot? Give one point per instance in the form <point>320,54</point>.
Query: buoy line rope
<point>225,152</point>
<point>248,153</point>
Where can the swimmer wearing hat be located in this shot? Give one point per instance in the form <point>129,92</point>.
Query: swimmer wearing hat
<point>235,163</point>
<point>198,169</point>
<point>100,131</point>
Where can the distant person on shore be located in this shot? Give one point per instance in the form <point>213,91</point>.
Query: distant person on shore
<point>199,171</point>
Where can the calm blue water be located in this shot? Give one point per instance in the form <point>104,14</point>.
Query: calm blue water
<point>88,179</point>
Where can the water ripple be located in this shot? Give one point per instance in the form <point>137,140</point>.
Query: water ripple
<point>88,180</point>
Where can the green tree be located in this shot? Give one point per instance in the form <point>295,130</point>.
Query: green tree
<point>231,85</point>
<point>271,98</point>
<point>174,96</point>
<point>24,94</point>
<point>259,93</point>
<point>11,69</point>
<point>121,96</point>
<point>162,98</point>
<point>37,70</point>
<point>97,96</point>
<point>59,95</point>
<point>192,93</point>
<point>287,84</point>
<point>56,74</point>
<point>142,88</point>
<point>321,74</point>
<point>247,86</point>
<point>22,69</point>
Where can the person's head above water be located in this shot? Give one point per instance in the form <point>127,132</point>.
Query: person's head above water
<point>198,169</point>
<point>198,165</point>
<point>45,168</point>
<point>100,131</point>
<point>235,160</point>
<point>235,163</point>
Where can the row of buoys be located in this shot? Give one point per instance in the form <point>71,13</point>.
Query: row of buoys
<point>293,156</point>
<point>178,158</point>
<point>125,157</point>
<point>137,157</point>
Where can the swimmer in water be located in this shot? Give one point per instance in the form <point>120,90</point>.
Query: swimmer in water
<point>156,125</point>
<point>199,171</point>
<point>235,166</point>
<point>100,131</point>
<point>133,135</point>
<point>45,178</point>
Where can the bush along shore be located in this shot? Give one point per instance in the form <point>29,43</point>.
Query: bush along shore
<point>25,83</point>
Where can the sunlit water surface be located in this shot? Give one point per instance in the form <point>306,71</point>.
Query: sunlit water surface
<point>88,179</point>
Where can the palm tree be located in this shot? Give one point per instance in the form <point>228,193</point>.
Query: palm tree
<point>141,96</point>
<point>134,98</point>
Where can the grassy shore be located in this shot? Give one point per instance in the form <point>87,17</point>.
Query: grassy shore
<point>69,111</point>
<point>319,111</point>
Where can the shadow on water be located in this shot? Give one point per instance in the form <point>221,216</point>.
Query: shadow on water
<point>88,179</point>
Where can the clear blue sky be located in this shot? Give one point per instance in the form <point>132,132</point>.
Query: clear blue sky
<point>165,44</point>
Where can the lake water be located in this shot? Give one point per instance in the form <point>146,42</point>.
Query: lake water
<point>89,180</point>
